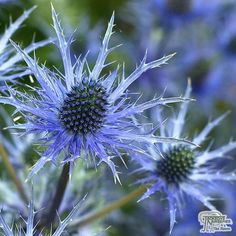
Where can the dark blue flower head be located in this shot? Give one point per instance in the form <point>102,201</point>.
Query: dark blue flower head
<point>179,170</point>
<point>82,113</point>
<point>7,56</point>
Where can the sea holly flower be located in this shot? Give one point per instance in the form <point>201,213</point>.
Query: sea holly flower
<point>8,58</point>
<point>178,170</point>
<point>83,112</point>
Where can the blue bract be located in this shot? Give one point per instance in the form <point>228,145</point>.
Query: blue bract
<point>84,112</point>
<point>7,57</point>
<point>29,229</point>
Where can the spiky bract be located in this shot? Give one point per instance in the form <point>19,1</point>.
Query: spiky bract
<point>8,58</point>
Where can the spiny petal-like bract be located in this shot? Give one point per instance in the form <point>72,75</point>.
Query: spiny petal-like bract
<point>7,56</point>
<point>29,229</point>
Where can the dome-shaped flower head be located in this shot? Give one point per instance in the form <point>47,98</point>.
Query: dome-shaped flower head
<point>8,58</point>
<point>180,170</point>
<point>82,112</point>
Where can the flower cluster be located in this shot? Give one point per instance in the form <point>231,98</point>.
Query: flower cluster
<point>89,114</point>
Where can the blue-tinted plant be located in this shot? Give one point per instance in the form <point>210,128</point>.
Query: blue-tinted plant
<point>172,13</point>
<point>29,229</point>
<point>180,170</point>
<point>198,34</point>
<point>225,64</point>
<point>8,57</point>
